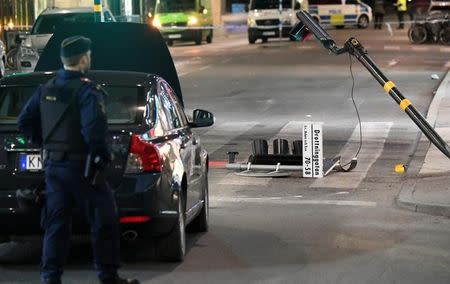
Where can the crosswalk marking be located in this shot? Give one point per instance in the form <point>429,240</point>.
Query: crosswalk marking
<point>420,48</point>
<point>391,47</point>
<point>232,179</point>
<point>290,131</point>
<point>374,138</point>
<point>224,133</point>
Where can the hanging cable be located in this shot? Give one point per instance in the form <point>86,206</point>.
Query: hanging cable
<point>353,161</point>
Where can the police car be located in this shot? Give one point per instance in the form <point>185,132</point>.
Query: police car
<point>160,172</point>
<point>340,13</point>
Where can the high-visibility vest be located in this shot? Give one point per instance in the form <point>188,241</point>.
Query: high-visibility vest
<point>401,5</point>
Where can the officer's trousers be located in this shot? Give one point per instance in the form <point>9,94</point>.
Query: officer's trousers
<point>67,188</point>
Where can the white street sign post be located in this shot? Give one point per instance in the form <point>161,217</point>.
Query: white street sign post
<point>312,150</point>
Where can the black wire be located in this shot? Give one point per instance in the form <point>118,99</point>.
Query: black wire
<point>352,93</point>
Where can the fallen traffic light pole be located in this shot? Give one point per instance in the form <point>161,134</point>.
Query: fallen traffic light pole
<point>352,46</point>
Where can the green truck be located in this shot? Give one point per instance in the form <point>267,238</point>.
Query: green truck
<point>184,20</point>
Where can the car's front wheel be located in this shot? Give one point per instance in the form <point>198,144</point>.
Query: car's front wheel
<point>173,246</point>
<point>251,38</point>
<point>444,36</point>
<point>417,34</point>
<point>363,22</point>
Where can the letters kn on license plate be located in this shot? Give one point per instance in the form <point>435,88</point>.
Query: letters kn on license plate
<point>30,162</point>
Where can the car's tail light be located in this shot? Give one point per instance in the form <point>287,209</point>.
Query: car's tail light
<point>134,219</point>
<point>144,157</point>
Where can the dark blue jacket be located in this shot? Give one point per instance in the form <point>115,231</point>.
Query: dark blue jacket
<point>91,101</point>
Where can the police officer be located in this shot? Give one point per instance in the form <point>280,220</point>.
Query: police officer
<point>401,10</point>
<point>67,117</point>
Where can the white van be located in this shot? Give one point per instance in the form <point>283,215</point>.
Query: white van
<point>44,27</point>
<point>340,13</point>
<point>264,19</point>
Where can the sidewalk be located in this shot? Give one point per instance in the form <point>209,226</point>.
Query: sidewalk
<point>429,190</point>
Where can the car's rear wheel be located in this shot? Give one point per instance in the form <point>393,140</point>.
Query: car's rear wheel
<point>198,38</point>
<point>209,38</point>
<point>201,222</point>
<point>173,246</point>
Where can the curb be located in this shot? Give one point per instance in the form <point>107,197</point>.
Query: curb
<point>405,198</point>
<point>407,201</point>
<point>433,110</point>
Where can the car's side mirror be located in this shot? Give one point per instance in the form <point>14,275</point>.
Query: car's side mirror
<point>202,118</point>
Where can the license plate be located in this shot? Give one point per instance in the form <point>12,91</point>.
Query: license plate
<point>269,33</point>
<point>30,162</point>
<point>175,36</point>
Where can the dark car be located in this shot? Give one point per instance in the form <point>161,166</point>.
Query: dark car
<point>159,175</point>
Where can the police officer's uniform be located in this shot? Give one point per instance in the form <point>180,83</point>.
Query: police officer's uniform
<point>67,117</point>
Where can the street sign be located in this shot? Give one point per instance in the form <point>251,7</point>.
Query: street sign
<point>312,150</point>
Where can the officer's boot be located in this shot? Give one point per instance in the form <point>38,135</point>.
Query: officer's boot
<point>119,280</point>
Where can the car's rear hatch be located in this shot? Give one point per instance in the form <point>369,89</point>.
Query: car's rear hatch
<point>21,162</point>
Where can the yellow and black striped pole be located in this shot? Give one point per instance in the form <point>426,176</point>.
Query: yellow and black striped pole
<point>354,47</point>
<point>98,11</point>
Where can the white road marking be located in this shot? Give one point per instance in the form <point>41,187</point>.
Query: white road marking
<point>223,133</point>
<point>291,201</point>
<point>420,48</point>
<point>195,70</point>
<point>393,62</point>
<point>290,131</point>
<point>304,47</point>
<point>391,47</point>
<point>226,60</point>
<point>341,193</point>
<point>374,137</point>
<point>233,179</point>
<point>444,49</point>
<point>204,68</point>
<point>447,64</point>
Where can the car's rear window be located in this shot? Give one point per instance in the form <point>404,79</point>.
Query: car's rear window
<point>46,24</point>
<point>270,4</point>
<point>122,103</point>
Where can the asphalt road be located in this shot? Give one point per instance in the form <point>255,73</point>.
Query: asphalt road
<point>343,228</point>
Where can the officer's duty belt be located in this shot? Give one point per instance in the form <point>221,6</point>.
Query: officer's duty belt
<point>59,156</point>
